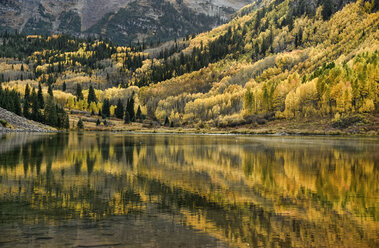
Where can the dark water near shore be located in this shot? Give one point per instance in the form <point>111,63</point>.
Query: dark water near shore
<point>142,190</point>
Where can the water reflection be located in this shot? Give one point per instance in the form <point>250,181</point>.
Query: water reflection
<point>232,191</point>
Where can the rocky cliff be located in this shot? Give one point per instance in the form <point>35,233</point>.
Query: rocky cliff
<point>120,20</point>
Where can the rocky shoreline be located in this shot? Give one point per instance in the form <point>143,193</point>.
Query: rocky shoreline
<point>10,123</point>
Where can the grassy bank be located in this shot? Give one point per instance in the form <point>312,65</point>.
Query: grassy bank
<point>369,126</point>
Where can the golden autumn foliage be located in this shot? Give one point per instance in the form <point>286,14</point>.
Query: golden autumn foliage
<point>335,70</point>
<point>220,186</point>
<point>287,67</point>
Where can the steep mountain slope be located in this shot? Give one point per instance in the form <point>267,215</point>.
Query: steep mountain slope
<point>121,20</point>
<point>272,64</point>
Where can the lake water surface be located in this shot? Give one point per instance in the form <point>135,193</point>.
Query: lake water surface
<point>145,190</point>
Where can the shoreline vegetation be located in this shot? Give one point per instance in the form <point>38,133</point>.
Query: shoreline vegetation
<point>365,125</point>
<point>212,131</point>
<point>276,127</point>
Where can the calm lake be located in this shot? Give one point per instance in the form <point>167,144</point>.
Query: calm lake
<point>152,190</point>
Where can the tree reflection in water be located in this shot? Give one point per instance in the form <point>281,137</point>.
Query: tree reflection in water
<point>261,191</point>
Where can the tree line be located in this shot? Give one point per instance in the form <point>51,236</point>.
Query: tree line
<point>34,106</point>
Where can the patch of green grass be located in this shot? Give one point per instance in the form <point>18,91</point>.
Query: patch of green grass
<point>4,123</point>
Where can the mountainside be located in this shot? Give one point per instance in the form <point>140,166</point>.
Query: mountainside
<point>120,20</point>
<point>285,64</point>
<point>290,60</point>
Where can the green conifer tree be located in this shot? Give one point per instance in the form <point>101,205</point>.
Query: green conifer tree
<point>80,124</point>
<point>106,108</point>
<point>41,101</point>
<point>130,109</point>
<point>51,117</point>
<point>139,114</point>
<point>127,118</point>
<point>91,95</point>
<point>79,93</point>
<point>119,112</point>
<point>35,106</point>
<point>26,102</point>
<point>50,91</point>
<point>167,122</point>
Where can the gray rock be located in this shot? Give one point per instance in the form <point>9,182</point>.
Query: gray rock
<point>18,123</point>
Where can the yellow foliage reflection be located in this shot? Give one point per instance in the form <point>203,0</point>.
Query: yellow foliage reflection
<point>260,191</point>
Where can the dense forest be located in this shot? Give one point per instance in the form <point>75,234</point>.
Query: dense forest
<point>284,60</point>
<point>32,106</point>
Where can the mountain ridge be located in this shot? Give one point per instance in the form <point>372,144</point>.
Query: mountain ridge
<point>92,17</point>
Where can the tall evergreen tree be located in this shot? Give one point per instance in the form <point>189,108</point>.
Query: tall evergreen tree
<point>167,122</point>
<point>80,124</point>
<point>62,118</point>
<point>139,113</point>
<point>106,108</point>
<point>119,112</point>
<point>67,122</point>
<point>50,91</point>
<point>91,95</point>
<point>35,115</point>
<point>17,104</point>
<point>130,109</point>
<point>127,118</point>
<point>41,101</point>
<point>50,111</point>
<point>27,92</point>
<point>26,102</point>
<point>79,93</point>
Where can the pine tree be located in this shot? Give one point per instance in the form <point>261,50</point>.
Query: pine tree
<point>64,86</point>
<point>167,122</point>
<point>26,102</point>
<point>79,93</point>
<point>50,111</point>
<point>91,95</point>
<point>106,108</point>
<point>17,104</point>
<point>27,92</point>
<point>67,122</point>
<point>80,124</point>
<point>130,109</point>
<point>41,102</point>
<point>98,122</point>
<point>119,112</point>
<point>50,91</point>
<point>139,113</point>
<point>35,106</point>
<point>127,118</point>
